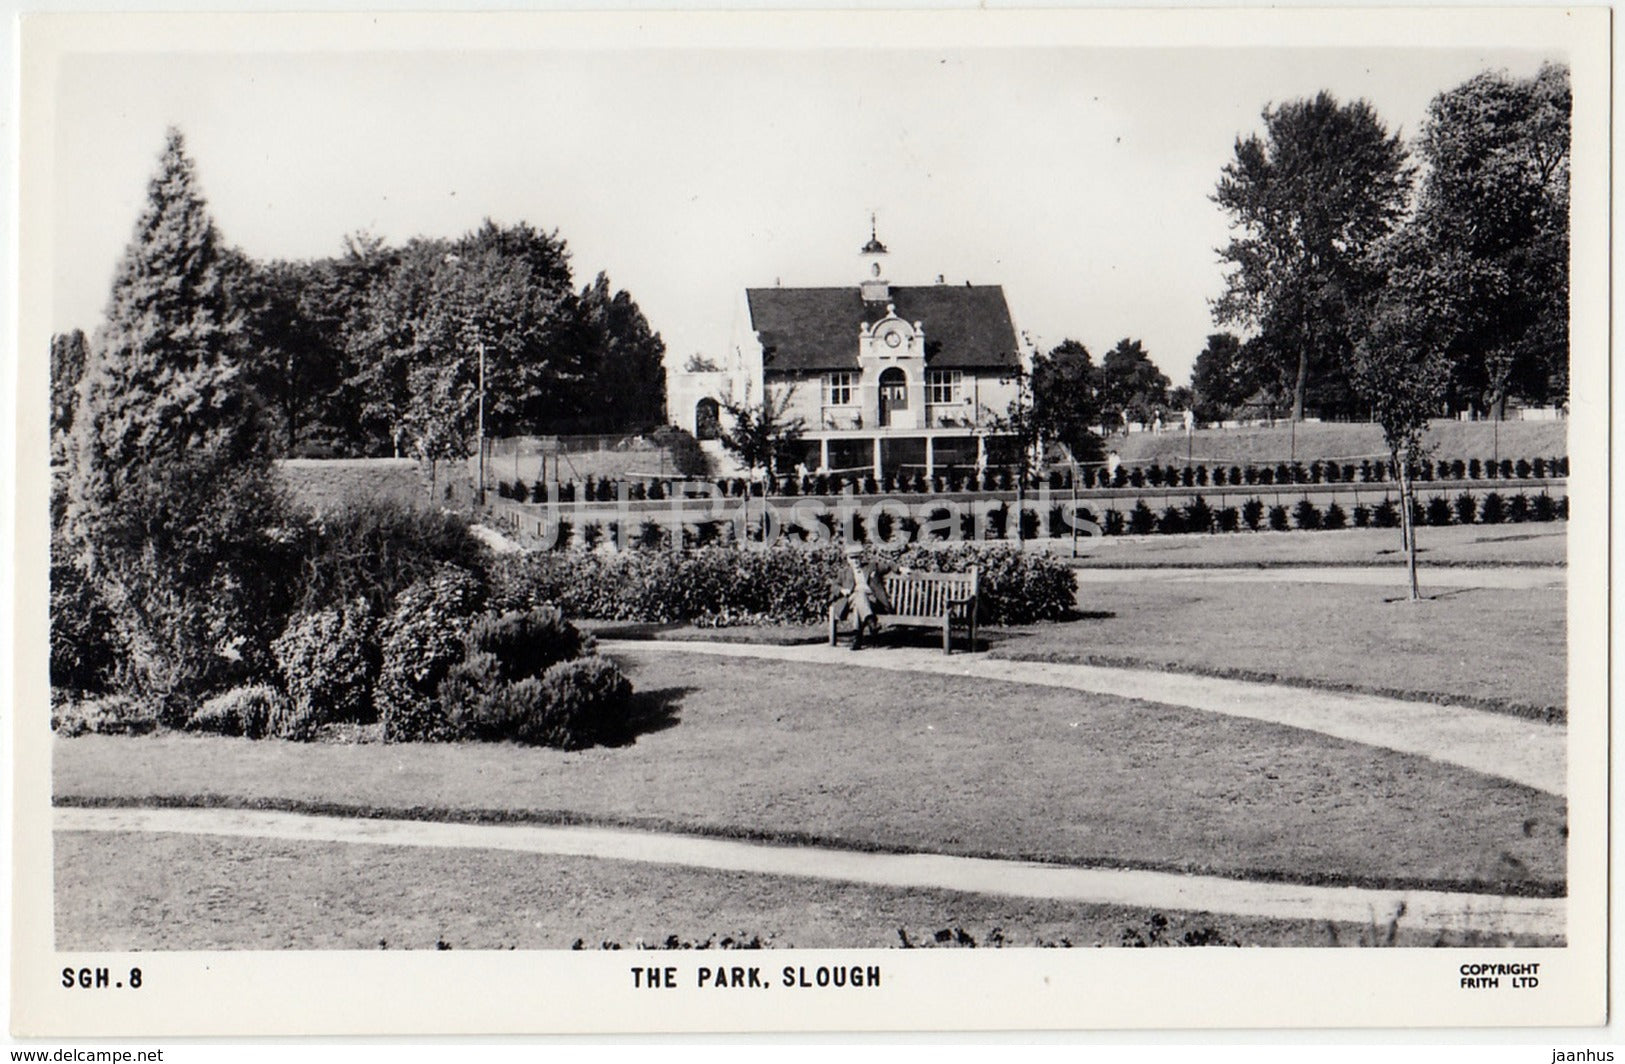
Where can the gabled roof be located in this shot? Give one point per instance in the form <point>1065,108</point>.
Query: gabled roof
<point>815,329</point>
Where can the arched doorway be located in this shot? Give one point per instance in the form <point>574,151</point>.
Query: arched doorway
<point>707,420</point>
<point>893,395</point>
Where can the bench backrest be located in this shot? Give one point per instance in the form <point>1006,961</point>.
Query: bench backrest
<point>928,594</point>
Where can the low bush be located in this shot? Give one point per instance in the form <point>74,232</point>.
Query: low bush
<point>1229,519</point>
<point>1466,508</point>
<point>374,550</point>
<point>1518,509</point>
<point>1252,512</point>
<point>1385,515</point>
<point>1542,508</point>
<point>1362,516</point>
<point>246,711</point>
<point>1113,524</point>
<point>1171,522</point>
<point>329,662</point>
<point>1334,518</point>
<point>105,715</point>
<point>583,702</point>
<point>1199,516</point>
<point>1492,509</point>
<point>1278,519</point>
<point>1305,515</point>
<point>1141,520</point>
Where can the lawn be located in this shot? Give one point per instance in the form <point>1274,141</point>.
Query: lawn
<point>118,892</point>
<point>1501,649</point>
<point>1459,545</point>
<point>944,764</point>
<point>1449,439</point>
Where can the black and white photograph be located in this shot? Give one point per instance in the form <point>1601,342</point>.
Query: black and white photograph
<point>747,521</point>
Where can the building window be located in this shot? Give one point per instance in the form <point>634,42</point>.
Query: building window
<point>944,385</point>
<point>838,389</point>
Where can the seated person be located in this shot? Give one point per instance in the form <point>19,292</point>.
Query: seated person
<point>860,593</point>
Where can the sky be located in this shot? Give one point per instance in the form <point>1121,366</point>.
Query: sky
<point>1078,178</point>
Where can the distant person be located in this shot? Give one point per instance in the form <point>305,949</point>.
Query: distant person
<point>1190,421</point>
<point>1113,462</point>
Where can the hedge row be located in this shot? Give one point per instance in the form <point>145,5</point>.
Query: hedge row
<point>1253,515</point>
<point>887,531</point>
<point>718,586</point>
<point>1138,476</point>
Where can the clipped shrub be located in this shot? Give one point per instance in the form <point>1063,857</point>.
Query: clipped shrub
<point>247,711</point>
<point>1252,513</point>
<point>1141,520</point>
<point>1266,476</point>
<point>1199,516</point>
<point>1438,510</point>
<point>1492,469</point>
<point>1153,476</point>
<point>1506,469</point>
<point>525,643</point>
<point>1171,521</point>
<point>1305,515</point>
<point>1229,519</point>
<point>1113,524</point>
<point>1475,470</point>
<point>1492,509</point>
<point>1458,469</point>
<point>1522,469</point>
<point>1542,508</point>
<point>329,664</point>
<point>420,641</point>
<point>1538,468</point>
<point>1466,509</point>
<point>1518,509</point>
<point>1362,515</point>
<point>1563,508</point>
<point>1334,518</point>
<point>1278,521</point>
<point>582,702</point>
<point>1386,514</point>
<point>1235,475</point>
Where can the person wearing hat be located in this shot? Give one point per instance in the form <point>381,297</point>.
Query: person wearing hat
<point>860,593</point>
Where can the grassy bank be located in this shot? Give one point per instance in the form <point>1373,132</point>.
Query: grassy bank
<point>1449,439</point>
<point>120,892</point>
<point>943,764</point>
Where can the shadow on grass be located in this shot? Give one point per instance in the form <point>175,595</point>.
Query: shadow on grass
<point>650,712</point>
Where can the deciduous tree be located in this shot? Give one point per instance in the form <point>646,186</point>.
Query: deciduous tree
<point>1308,200</point>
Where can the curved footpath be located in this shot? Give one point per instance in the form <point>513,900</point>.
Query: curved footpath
<point>1529,752</point>
<point>1435,910</point>
<point>1508,577</point>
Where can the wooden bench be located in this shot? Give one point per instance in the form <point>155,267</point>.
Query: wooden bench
<point>928,600</point>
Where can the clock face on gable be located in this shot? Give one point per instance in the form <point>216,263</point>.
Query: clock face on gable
<point>894,338</point>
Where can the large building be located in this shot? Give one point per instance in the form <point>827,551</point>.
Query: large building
<point>886,378</point>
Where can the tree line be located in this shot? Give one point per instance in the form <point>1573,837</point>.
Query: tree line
<point>375,352</point>
<point>1349,243</point>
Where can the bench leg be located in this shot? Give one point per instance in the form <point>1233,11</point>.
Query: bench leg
<point>832,626</point>
<point>948,633</point>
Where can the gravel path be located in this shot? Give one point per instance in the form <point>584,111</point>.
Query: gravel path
<point>1434,910</point>
<point>1513,748</point>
